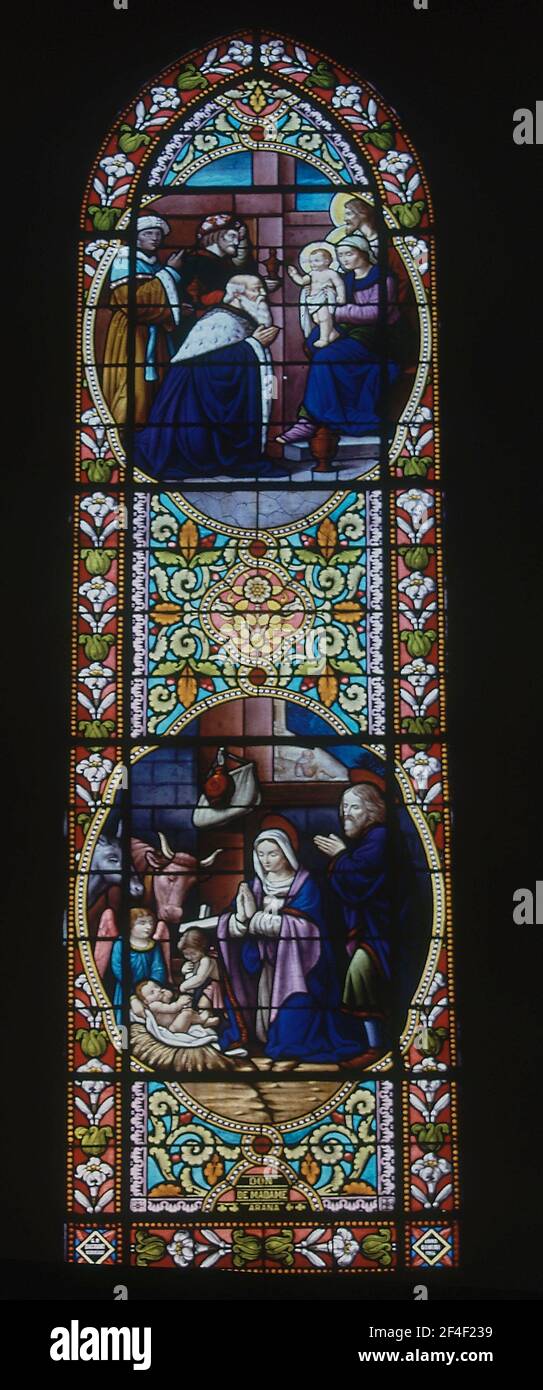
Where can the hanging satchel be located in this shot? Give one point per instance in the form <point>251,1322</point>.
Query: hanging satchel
<point>229,791</point>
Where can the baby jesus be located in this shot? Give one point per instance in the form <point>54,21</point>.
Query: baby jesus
<point>176,1015</point>
<point>322,289</point>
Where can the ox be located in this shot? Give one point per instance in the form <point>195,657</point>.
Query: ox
<point>174,873</point>
<point>164,877</point>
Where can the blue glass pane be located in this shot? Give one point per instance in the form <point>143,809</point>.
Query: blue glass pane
<point>232,169</point>
<point>307,173</point>
<point>312,202</point>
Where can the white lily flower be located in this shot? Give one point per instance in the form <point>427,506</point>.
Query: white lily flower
<point>115,167</point>
<point>344,1246</point>
<point>181,1249</point>
<point>97,591</point>
<point>163,97</point>
<point>396,163</point>
<point>95,769</point>
<point>418,587</point>
<point>420,768</point>
<point>93,1173</point>
<point>98,506</point>
<point>348,96</point>
<point>273,52</point>
<point>438,982</point>
<point>239,52</point>
<point>419,673</point>
<point>94,1064</point>
<point>429,1090</point>
<point>96,677</point>
<point>419,251</point>
<point>429,1064</point>
<point>430,1168</point>
<point>419,506</point>
<point>95,249</point>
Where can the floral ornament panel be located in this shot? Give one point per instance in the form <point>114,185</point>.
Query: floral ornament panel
<point>186,1159</point>
<point>228,124</point>
<point>93,767</point>
<point>253,612</point>
<point>353,107</point>
<point>94,1040</point>
<point>141,126</point>
<point>284,1247</point>
<point>419,700</point>
<point>432,1045</point>
<point>98,527</point>
<point>94,1175</point>
<point>430,1112</point>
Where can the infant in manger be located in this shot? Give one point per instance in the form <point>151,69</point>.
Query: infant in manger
<point>176,1015</point>
<point>322,289</point>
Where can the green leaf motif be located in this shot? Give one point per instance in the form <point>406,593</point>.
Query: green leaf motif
<point>409,214</point>
<point>96,645</point>
<point>96,728</point>
<point>416,557</point>
<point>190,79</point>
<point>415,468</point>
<point>131,140</point>
<point>350,668</point>
<point>307,556</point>
<point>345,557</point>
<point>418,643</point>
<point>378,1247</point>
<point>383,138</point>
<point>98,471</point>
<point>98,560</point>
<point>322,76</point>
<point>430,1136</point>
<point>419,725</point>
<point>104,220</point>
<point>92,1041</point>
<point>149,1248</point>
<point>205,668</point>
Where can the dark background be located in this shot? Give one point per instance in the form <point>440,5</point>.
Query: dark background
<point>455,74</point>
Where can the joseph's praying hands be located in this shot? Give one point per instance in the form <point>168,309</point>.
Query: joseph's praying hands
<point>329,844</point>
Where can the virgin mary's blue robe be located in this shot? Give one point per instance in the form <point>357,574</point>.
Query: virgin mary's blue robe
<point>348,380</point>
<point>308,1025</point>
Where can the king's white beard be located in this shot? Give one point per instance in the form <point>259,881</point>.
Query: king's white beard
<point>258,310</point>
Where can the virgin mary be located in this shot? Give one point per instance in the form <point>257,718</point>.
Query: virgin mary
<point>349,380</point>
<point>283,992</point>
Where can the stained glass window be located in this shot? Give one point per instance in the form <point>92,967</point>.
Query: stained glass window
<point>262,1035</point>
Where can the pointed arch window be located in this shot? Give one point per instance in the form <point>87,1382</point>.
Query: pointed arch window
<point>261,1026</point>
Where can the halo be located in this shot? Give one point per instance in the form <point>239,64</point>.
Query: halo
<point>337,212</point>
<point>278,822</point>
<point>306,252</point>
